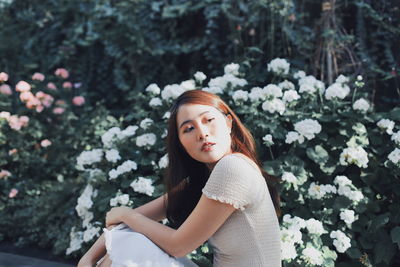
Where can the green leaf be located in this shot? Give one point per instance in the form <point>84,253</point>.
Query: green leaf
<point>379,221</point>
<point>318,154</point>
<point>395,234</point>
<point>384,250</point>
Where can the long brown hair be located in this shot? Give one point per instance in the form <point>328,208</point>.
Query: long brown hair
<point>185,176</point>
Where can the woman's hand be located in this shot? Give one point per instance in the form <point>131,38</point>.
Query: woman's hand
<point>116,215</point>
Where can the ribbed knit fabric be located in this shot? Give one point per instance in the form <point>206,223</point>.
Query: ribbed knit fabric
<point>250,236</point>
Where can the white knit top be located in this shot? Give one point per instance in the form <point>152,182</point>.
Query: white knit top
<point>250,236</point>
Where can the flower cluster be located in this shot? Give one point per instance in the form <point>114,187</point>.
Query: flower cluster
<point>354,155</point>
<point>143,185</point>
<point>15,122</point>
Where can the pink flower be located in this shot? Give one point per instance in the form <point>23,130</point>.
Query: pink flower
<point>39,108</point>
<point>13,193</point>
<point>4,174</point>
<point>51,86</point>
<point>24,120</point>
<point>45,143</point>
<point>38,76</point>
<point>58,110</point>
<point>67,85</point>
<point>3,77</point>
<point>12,151</point>
<point>78,100</point>
<point>5,89</point>
<point>23,86</point>
<point>45,99</point>
<point>63,73</point>
<point>5,115</point>
<point>26,96</point>
<point>32,103</point>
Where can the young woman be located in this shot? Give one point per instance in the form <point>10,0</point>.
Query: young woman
<point>216,191</point>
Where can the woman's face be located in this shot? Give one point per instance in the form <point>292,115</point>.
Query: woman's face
<point>204,132</point>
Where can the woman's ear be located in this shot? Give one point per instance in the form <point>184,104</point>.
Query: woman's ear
<point>229,120</point>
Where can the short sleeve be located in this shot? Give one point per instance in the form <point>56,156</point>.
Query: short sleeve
<point>231,182</point>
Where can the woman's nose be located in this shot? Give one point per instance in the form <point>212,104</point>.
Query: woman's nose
<point>203,132</point>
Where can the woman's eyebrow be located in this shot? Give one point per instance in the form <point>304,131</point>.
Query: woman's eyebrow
<point>187,121</point>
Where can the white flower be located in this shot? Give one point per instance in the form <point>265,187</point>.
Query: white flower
<point>122,199</point>
<point>337,90</point>
<point>125,167</point>
<point>155,102</point>
<point>232,68</point>
<point>361,105</point>
<point>347,216</point>
<point>279,66</point>
<point>386,125</point>
<point>148,139</point>
<point>299,74</point>
<point>113,174</point>
<point>90,233</point>
<point>319,191</point>
<point>188,85</point>
<point>163,162</point>
<point>274,105</point>
<point>341,241</point>
<point>315,227</point>
<point>313,256</point>
<point>342,79</point>
<point>75,242</point>
<point>347,189</point>
<point>354,155</point>
<point>144,124</point>
<point>290,96</point>
<point>289,177</point>
<point>224,81</point>
<point>268,140</point>
<point>153,89</point>
<point>342,180</point>
<point>294,222</point>
<point>286,85</point>
<point>240,95</point>
<point>396,138</point>
<point>109,137</point>
<point>172,91</point>
<point>200,76</point>
<point>293,136</point>
<point>288,251</point>
<point>166,115</point>
<point>129,131</point>
<point>112,155</point>
<point>257,94</point>
<point>394,156</point>
<point>292,235</point>
<point>89,157</point>
<point>272,90</point>
<point>143,185</point>
<point>213,89</point>
<point>308,128</point>
<point>311,85</point>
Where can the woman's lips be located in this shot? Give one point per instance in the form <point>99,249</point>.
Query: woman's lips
<point>207,146</point>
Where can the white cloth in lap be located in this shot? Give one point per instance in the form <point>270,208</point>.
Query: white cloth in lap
<point>127,248</point>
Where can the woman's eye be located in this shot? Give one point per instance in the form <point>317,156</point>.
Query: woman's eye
<point>188,129</point>
<point>209,120</point>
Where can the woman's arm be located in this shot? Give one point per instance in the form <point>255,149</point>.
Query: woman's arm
<point>155,209</point>
<point>202,223</point>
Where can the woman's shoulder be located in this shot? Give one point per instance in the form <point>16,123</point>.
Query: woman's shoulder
<point>237,161</point>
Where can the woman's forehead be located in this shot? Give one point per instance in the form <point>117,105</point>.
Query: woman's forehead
<point>192,111</point>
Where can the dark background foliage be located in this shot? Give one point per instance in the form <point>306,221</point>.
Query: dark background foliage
<point>118,47</point>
